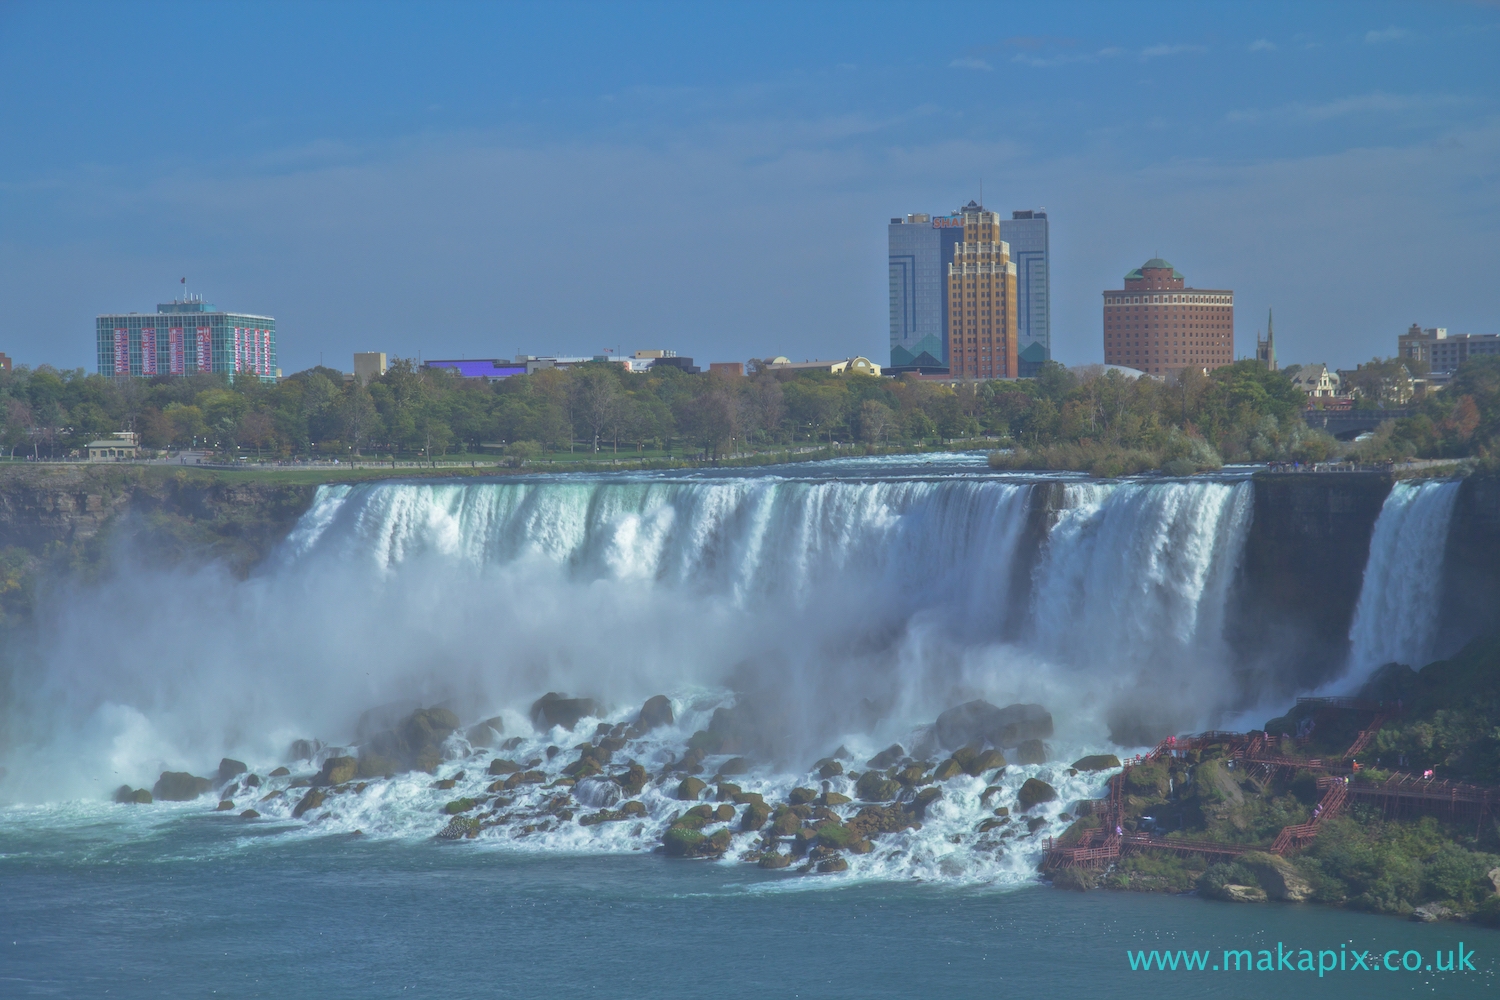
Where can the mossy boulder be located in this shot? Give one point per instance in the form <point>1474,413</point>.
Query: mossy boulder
<point>830,865</point>
<point>834,799</point>
<point>1031,752</point>
<point>459,806</point>
<point>828,768</point>
<point>755,816</point>
<point>949,768</point>
<point>876,787</point>
<point>784,823</point>
<point>132,796</point>
<point>280,772</point>
<point>801,796</point>
<point>925,798</point>
<point>225,805</point>
<point>724,813</point>
<point>633,781</point>
<point>524,778</point>
<point>656,712</point>
<point>885,758</point>
<point>735,765</point>
<point>311,800</point>
<point>989,760</point>
<point>249,814</point>
<point>553,709</point>
<point>774,861</point>
<point>1075,879</point>
<point>691,788</point>
<point>680,842</point>
<point>179,786</point>
<point>502,766</point>
<point>229,769</point>
<point>1034,792</point>
<point>976,722</point>
<point>914,775</point>
<point>414,744</point>
<point>489,733</point>
<point>337,770</point>
<point>1097,762</point>
<point>835,835</point>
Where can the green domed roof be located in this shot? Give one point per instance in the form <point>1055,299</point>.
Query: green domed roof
<point>1153,262</point>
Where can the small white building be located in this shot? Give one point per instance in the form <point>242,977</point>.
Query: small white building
<point>859,366</point>
<point>1318,381</point>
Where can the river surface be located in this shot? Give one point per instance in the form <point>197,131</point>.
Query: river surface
<point>195,910</point>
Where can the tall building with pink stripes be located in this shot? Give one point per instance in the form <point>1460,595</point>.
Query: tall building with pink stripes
<point>186,337</point>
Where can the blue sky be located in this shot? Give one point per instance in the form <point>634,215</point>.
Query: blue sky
<point>481,179</point>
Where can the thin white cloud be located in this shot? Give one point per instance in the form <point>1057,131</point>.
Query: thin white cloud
<point>969,62</point>
<point>1157,51</point>
<point>1390,34</point>
<point>1262,45</point>
<point>1061,59</point>
<point>1372,103</point>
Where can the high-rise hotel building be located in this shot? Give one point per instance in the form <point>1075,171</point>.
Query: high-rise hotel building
<point>187,337</point>
<point>981,300</point>
<point>921,248</point>
<point>1026,234</point>
<point>1157,325</point>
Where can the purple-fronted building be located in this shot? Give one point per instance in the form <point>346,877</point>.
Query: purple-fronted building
<point>487,368</point>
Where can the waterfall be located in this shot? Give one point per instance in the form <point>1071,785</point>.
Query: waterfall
<point>1399,600</point>
<point>1132,586</point>
<point>851,604</point>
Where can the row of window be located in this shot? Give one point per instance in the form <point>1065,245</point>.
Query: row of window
<point>1119,300</point>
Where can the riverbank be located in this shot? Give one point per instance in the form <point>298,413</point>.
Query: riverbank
<point>1387,802</point>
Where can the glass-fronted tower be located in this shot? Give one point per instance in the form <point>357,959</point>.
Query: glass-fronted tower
<point>1026,232</point>
<point>186,337</point>
<point>921,247</point>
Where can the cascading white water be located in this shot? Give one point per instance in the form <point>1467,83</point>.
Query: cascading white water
<point>845,610</point>
<point>831,598</point>
<point>1399,600</point>
<point>1133,584</point>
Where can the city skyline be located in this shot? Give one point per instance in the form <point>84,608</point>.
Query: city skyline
<point>423,201</point>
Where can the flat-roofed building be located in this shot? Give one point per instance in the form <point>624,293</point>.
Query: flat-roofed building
<point>919,248</point>
<point>1444,352</point>
<point>1158,325</point>
<point>368,365</point>
<point>1030,250</point>
<point>186,337</point>
<point>981,300</point>
<point>118,447</point>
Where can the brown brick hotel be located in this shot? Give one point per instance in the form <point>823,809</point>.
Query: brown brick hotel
<point>1158,326</point>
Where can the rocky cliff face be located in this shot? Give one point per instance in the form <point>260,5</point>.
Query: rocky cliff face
<point>1300,578</point>
<point>69,519</point>
<point>1471,564</point>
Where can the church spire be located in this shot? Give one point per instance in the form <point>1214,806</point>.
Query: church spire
<point>1265,350</point>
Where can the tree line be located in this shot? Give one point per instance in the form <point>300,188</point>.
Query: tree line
<point>1241,412</point>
